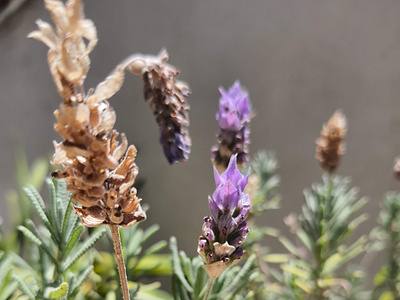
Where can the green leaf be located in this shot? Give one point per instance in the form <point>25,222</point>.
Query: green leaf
<point>239,279</point>
<point>296,271</point>
<point>387,296</point>
<point>176,266</point>
<point>276,258</point>
<point>53,207</point>
<point>382,276</point>
<point>85,247</point>
<point>75,236</point>
<point>303,285</point>
<point>159,264</point>
<point>81,278</point>
<point>27,290</point>
<point>8,291</point>
<point>34,238</point>
<point>39,171</point>
<point>65,221</point>
<point>58,292</point>
<point>39,205</point>
<point>288,245</point>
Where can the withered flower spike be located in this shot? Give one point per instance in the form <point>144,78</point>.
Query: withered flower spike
<point>330,146</point>
<point>90,153</point>
<point>167,99</point>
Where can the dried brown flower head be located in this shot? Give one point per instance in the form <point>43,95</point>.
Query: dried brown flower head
<point>330,146</point>
<point>99,170</point>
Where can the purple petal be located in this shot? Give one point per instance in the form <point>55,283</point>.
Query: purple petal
<point>213,207</point>
<point>217,177</point>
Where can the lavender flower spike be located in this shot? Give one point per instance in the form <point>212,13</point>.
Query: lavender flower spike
<point>233,118</point>
<point>226,229</point>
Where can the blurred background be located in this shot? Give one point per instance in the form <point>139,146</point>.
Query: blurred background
<point>299,60</point>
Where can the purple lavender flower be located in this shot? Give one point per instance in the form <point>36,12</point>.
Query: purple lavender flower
<point>233,118</point>
<point>226,229</point>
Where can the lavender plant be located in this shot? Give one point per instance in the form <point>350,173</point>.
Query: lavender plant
<point>328,218</point>
<point>387,237</point>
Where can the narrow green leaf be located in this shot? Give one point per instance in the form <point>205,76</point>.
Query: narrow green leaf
<point>38,204</point>
<point>86,246</point>
<point>288,245</point>
<point>157,247</point>
<point>240,277</point>
<point>36,239</point>
<point>296,271</point>
<point>66,221</point>
<point>58,292</point>
<point>81,278</point>
<point>5,267</point>
<point>9,290</point>
<point>75,236</point>
<point>39,171</point>
<point>27,290</point>
<point>53,207</point>
<point>303,285</point>
<point>176,265</point>
<point>276,258</point>
<point>149,232</point>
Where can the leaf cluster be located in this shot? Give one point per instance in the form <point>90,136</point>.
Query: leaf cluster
<point>56,246</point>
<point>309,270</point>
<point>189,279</point>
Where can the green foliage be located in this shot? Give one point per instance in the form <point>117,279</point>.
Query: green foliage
<point>387,237</point>
<point>264,181</point>
<point>189,278</point>
<point>57,247</point>
<point>19,207</point>
<point>140,262</point>
<point>328,220</point>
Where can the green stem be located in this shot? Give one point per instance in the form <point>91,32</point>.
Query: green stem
<point>120,261</point>
<point>209,288</point>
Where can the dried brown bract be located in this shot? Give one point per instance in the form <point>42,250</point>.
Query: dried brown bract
<point>330,146</point>
<point>99,170</point>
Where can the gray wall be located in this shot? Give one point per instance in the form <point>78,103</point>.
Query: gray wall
<point>300,61</point>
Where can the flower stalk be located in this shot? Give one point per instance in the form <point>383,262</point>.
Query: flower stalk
<point>210,284</point>
<point>120,260</point>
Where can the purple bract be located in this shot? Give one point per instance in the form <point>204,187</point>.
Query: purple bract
<point>233,117</point>
<point>226,229</point>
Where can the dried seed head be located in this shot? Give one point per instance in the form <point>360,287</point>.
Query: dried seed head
<point>330,146</point>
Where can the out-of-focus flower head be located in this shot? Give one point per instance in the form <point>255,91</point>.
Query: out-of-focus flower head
<point>234,108</point>
<point>233,117</point>
<point>226,229</point>
<point>330,146</point>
